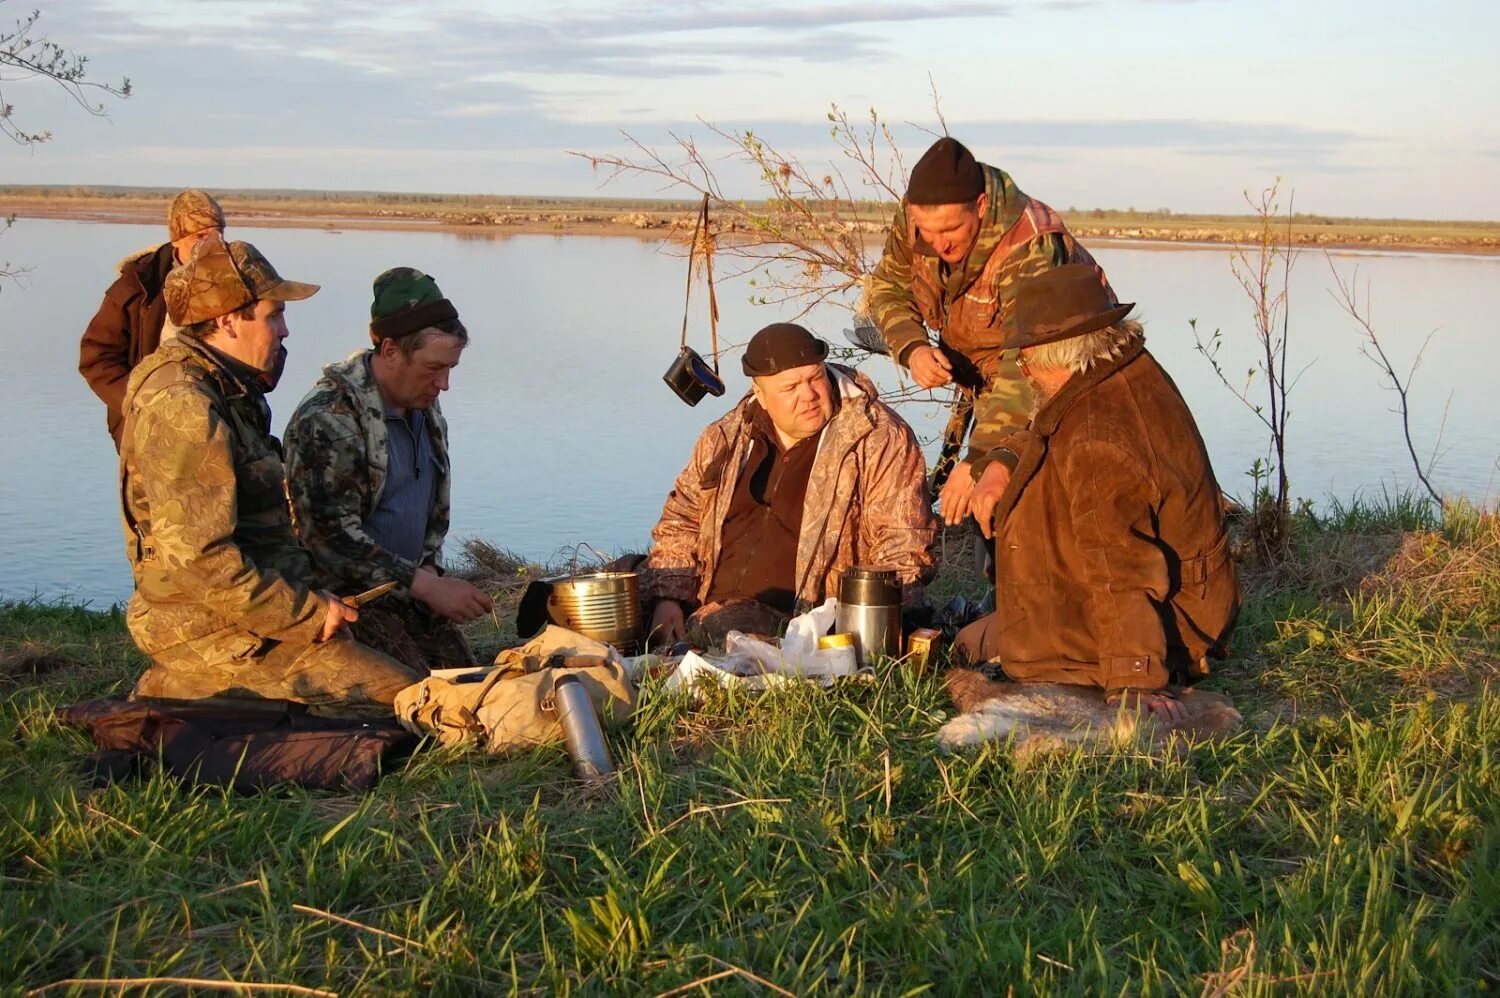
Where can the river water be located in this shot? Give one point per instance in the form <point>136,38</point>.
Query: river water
<point>563,433</point>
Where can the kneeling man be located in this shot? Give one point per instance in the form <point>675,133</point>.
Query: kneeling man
<point>368,477</point>
<point>1112,564</point>
<point>809,475</point>
<point>224,606</point>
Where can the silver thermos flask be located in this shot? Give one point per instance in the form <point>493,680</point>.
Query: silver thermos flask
<point>581,730</point>
<point>870,609</point>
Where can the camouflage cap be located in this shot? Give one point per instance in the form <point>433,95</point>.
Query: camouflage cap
<point>193,211</point>
<point>223,277</point>
<point>406,301</point>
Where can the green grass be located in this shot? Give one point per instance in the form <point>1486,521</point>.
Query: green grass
<point>1346,842</point>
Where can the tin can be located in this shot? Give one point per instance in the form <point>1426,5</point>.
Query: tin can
<point>922,647</point>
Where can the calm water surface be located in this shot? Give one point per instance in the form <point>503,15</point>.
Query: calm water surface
<point>563,434</point>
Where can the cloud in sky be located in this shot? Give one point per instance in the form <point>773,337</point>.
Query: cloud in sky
<point>363,93</point>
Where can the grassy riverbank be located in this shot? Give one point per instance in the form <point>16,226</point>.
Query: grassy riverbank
<point>1348,841</point>
<point>482,215</point>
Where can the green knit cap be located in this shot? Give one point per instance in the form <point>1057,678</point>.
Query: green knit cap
<point>402,288</point>
<point>406,301</point>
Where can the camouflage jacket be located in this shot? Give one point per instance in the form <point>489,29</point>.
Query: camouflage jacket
<point>206,525</point>
<point>866,502</point>
<point>336,460</point>
<point>971,307</point>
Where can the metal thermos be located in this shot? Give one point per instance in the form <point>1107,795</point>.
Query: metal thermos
<point>581,730</point>
<point>870,609</point>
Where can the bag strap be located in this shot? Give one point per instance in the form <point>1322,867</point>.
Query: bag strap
<point>701,230</point>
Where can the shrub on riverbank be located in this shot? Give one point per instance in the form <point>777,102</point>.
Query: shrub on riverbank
<point>1347,841</point>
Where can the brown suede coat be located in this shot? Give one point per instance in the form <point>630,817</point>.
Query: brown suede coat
<point>1112,560</point>
<point>125,330</point>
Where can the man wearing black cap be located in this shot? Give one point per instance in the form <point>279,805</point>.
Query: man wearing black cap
<point>1112,560</point>
<point>809,475</point>
<point>961,240</point>
<point>368,475</point>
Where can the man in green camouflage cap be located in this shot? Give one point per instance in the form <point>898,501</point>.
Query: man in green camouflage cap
<point>369,480</point>
<point>224,604</point>
<point>132,320</point>
<point>963,238</point>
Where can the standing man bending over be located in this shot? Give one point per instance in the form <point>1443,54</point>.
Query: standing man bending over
<point>223,604</point>
<point>963,238</point>
<point>368,475</point>
<point>132,320</point>
<point>809,475</point>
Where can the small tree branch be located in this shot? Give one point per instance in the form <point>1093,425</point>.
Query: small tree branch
<point>1347,296</point>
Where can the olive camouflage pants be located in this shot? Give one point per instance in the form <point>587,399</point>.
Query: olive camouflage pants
<point>337,678</point>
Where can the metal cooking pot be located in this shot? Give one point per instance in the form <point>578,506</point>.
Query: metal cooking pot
<point>605,606</point>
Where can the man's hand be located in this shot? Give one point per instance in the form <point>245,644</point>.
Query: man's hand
<point>929,367</point>
<point>1162,704</point>
<point>957,495</point>
<point>336,615</point>
<point>454,599</point>
<point>668,623</point>
<point>987,492</point>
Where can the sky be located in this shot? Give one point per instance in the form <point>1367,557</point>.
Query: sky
<point>1374,108</point>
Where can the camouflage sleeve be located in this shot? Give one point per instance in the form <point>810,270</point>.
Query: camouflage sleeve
<point>671,570</point>
<point>185,460</point>
<point>890,299</point>
<point>1004,405</point>
<point>897,527</point>
<point>328,485</point>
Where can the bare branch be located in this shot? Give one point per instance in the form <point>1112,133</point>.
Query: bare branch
<point>1347,295</point>
<point>26,55</point>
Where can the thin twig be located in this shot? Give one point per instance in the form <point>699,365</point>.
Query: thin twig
<point>696,809</point>
<point>750,976</point>
<point>949,787</point>
<point>124,983</point>
<point>330,916</point>
<point>690,985</point>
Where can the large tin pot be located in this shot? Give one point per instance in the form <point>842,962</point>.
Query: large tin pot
<point>691,377</point>
<point>605,606</point>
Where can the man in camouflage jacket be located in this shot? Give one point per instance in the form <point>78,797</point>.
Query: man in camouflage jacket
<point>132,319</point>
<point>809,475</point>
<point>224,604</point>
<point>369,481</point>
<point>962,239</point>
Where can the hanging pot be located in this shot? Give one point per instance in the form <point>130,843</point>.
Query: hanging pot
<point>691,377</point>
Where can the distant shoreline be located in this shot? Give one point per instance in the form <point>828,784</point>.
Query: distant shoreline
<point>497,217</point>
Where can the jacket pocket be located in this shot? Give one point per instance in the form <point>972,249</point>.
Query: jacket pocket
<point>1196,572</point>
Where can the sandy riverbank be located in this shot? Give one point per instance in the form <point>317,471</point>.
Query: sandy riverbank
<point>498,217</point>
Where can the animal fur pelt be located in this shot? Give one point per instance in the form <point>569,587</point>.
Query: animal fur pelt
<point>1041,716</point>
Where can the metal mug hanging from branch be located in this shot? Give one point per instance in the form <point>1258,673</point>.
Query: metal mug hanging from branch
<point>690,376</point>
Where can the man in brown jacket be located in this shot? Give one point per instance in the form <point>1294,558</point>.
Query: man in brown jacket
<point>1112,564</point>
<point>132,320</point>
<point>810,474</point>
